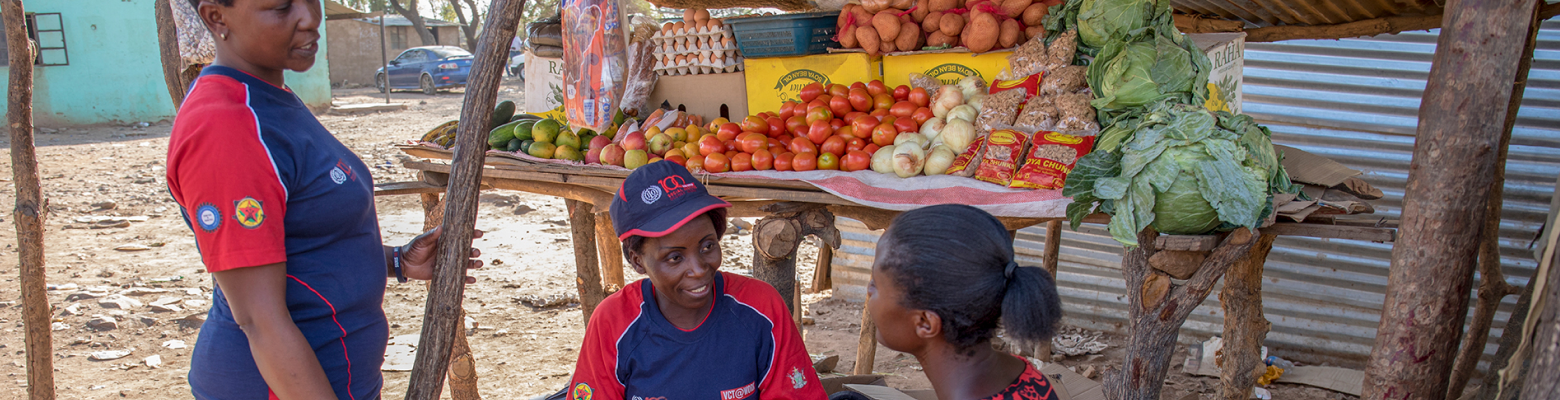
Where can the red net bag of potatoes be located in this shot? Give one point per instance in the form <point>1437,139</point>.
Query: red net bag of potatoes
<point>1004,151</point>
<point>1052,156</point>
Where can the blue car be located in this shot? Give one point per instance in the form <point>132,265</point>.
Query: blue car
<point>428,68</point>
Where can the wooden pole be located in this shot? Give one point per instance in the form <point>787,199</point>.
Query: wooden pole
<point>31,208</point>
<point>866,344</point>
<point>1158,307</point>
<point>1448,184</point>
<point>611,251</point>
<point>822,269</point>
<point>1245,325</point>
<point>384,56</point>
<point>1053,250</point>
<point>1546,339</point>
<point>442,315</point>
<point>463,366</point>
<point>587,269</point>
<point>1492,282</point>
<point>168,50</point>
<point>775,241</point>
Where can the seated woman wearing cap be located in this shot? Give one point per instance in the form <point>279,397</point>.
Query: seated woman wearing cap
<point>689,331</point>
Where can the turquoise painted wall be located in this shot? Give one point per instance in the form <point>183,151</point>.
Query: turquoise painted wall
<point>115,74</point>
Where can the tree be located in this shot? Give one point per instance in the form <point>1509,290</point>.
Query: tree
<point>470,28</point>
<point>411,14</point>
<point>365,5</point>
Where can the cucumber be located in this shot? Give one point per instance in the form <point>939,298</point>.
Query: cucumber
<point>499,137</point>
<point>523,116</point>
<point>523,129</point>
<point>501,114</point>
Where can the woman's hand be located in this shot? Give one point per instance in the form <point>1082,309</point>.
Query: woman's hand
<point>419,256</point>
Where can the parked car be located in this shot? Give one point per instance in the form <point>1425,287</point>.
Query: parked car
<point>517,64</point>
<point>428,68</point>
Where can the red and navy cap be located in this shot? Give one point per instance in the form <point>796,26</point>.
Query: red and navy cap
<point>660,197</point>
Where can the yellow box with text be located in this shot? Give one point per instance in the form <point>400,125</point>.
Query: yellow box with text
<point>772,81</point>
<point>948,66</point>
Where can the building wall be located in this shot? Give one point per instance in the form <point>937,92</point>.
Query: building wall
<point>115,73</point>
<point>357,48</point>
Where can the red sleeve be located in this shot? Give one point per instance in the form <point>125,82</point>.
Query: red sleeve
<point>791,376</point>
<point>224,178</point>
<point>595,373</point>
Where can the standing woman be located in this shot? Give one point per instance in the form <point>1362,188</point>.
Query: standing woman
<point>283,215</point>
<point>943,277</point>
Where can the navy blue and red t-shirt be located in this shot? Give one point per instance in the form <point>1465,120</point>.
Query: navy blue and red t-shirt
<point>260,181</point>
<point>747,348</point>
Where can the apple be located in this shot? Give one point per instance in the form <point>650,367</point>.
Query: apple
<point>612,154</point>
<point>634,141</point>
<point>660,144</point>
<point>635,159</point>
<point>593,156</point>
<point>599,142</point>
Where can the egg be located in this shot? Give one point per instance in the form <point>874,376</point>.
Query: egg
<point>701,15</point>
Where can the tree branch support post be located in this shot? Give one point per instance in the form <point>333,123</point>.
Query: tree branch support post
<point>587,270</point>
<point>1053,249</point>
<point>168,51</point>
<point>1158,307</point>
<point>611,251</point>
<point>463,365</point>
<point>1245,325</point>
<point>1446,199</point>
<point>1546,338</point>
<point>442,316</point>
<point>776,238</point>
<point>1492,282</point>
<point>31,208</point>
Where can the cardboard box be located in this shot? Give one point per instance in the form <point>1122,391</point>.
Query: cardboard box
<point>707,95</point>
<point>775,80</point>
<point>948,66</point>
<point>1227,52</point>
<point>543,83</point>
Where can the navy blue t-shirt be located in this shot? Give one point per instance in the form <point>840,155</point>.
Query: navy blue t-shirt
<point>260,181</point>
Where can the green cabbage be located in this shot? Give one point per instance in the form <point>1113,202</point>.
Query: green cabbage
<point>1103,21</point>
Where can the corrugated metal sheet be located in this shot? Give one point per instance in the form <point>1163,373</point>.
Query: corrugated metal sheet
<point>1306,12</point>
<point>1356,102</point>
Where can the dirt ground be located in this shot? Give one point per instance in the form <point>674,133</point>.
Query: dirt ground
<point>114,233</point>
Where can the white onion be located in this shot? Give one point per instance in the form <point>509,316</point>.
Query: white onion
<point>958,134</point>
<point>964,112</point>
<point>932,127</point>
<point>978,102</point>
<point>883,160</point>
<point>970,86</point>
<point>948,97</point>
<point>908,160</point>
<point>938,160</point>
<point>907,137</point>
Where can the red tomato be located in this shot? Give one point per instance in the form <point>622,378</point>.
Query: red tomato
<point>717,162</point>
<point>754,123</point>
<point>921,115</point>
<point>882,101</point>
<point>860,100</point>
<point>785,140</point>
<point>811,91</point>
<point>828,161</point>
<point>729,129</point>
<point>680,160</point>
<point>906,125</point>
<point>816,103</point>
<point>856,160</point>
<point>839,105</point>
<point>695,164</point>
<point>846,132</point>
<point>834,145</point>
<point>783,161</point>
<point>920,97</point>
<point>902,109</point>
<point>742,162</point>
<point>774,142</point>
<point>884,135</point>
<point>731,154</point>
<point>838,90</point>
<point>805,162</point>
<point>879,113</point>
<point>862,126</point>
<point>819,114</point>
<point>855,144</point>
<point>751,142</point>
<point>851,116</point>
<point>871,148</point>
<point>762,160</point>
<point>858,85</point>
<point>787,110</point>
<point>876,87</point>
<point>797,122</point>
<point>819,131</point>
<point>901,92</point>
<point>802,145</point>
<point>776,126</point>
<point>710,145</point>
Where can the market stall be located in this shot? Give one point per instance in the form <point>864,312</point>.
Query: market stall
<point>1067,110</point>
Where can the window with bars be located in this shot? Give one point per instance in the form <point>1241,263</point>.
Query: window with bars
<point>47,32</point>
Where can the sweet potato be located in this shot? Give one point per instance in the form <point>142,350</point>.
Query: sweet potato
<point>937,38</point>
<point>847,38</point>
<point>922,7</point>
<point>1035,14</point>
<point>1032,31</point>
<point>839,22</point>
<point>873,6</point>
<point>909,37</point>
<point>929,24</point>
<point>1008,34</point>
<point>868,38</point>
<point>887,24</point>
<point>901,4</point>
<point>951,24</point>
<point>862,16</point>
<point>981,34</point>
<point>1015,8</point>
<point>943,5</point>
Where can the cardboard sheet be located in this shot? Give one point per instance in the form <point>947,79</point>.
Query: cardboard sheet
<point>1314,169</point>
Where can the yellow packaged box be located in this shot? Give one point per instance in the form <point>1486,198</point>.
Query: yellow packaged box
<point>775,80</point>
<point>948,66</point>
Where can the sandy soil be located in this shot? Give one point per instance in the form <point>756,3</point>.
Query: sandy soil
<point>116,173</point>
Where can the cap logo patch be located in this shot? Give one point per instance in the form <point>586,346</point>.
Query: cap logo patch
<point>675,186</point>
<point>650,195</point>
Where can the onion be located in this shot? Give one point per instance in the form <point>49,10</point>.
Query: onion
<point>932,127</point>
<point>964,112</point>
<point>907,137</point>
<point>978,102</point>
<point>883,160</point>
<point>948,97</point>
<point>938,160</point>
<point>971,86</point>
<point>908,160</point>
<point>958,134</point>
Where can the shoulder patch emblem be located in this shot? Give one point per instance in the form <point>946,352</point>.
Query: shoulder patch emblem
<point>337,175</point>
<point>581,391</point>
<point>208,217</point>
<point>249,212</point>
<point>798,380</point>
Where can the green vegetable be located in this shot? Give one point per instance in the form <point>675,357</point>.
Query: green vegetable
<point>1104,21</point>
<point>501,114</point>
<point>1147,66</point>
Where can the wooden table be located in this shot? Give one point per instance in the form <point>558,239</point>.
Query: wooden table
<point>1171,276</point>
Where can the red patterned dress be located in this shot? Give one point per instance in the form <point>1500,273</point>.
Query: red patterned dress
<point>1030,385</point>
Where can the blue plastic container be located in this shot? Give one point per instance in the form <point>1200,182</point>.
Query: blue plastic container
<point>785,35</point>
